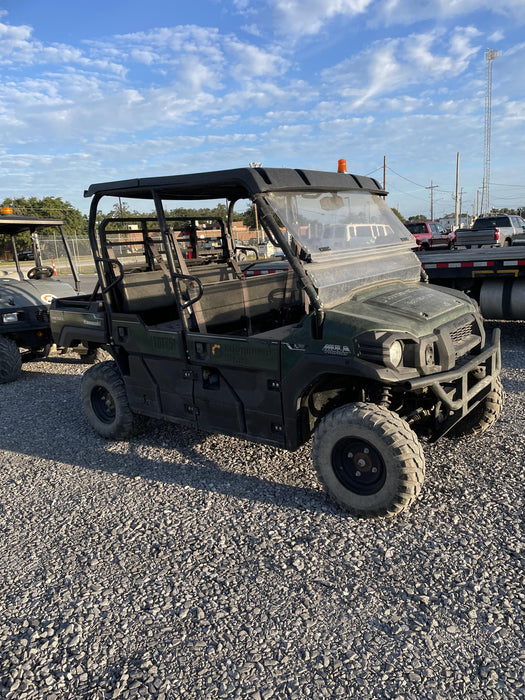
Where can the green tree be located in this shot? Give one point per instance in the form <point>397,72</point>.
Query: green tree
<point>47,208</point>
<point>399,216</point>
<point>248,218</point>
<point>418,217</point>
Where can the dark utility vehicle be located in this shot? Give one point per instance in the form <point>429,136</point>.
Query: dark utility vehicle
<point>25,298</point>
<point>342,340</point>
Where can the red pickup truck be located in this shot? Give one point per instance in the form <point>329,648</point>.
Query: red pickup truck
<point>430,234</point>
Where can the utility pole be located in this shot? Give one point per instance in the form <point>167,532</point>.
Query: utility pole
<point>490,55</point>
<point>384,173</point>
<point>431,188</point>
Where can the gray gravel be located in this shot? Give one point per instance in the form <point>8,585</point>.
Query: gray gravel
<point>188,565</point>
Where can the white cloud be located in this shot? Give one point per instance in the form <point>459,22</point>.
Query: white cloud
<point>300,17</point>
<point>411,11</point>
<point>389,65</point>
<point>165,100</point>
<point>251,61</point>
<point>496,37</point>
<point>18,47</point>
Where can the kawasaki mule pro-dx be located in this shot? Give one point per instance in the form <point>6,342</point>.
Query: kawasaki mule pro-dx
<point>340,338</point>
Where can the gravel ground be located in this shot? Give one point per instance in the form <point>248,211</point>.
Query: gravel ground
<point>188,565</point>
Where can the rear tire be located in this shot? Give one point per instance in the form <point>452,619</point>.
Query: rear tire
<point>483,416</point>
<point>105,402</point>
<point>10,360</point>
<point>368,460</point>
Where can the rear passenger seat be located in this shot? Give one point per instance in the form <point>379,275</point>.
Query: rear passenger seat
<point>225,305</point>
<point>143,291</point>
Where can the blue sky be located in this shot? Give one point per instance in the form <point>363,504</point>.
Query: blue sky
<point>96,91</point>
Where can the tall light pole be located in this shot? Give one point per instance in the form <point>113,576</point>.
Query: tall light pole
<point>490,55</point>
<point>457,208</point>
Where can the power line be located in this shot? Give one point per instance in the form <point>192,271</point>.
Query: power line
<point>497,184</point>
<point>406,178</point>
<point>374,171</point>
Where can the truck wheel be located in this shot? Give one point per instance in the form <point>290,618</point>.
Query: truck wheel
<point>369,460</point>
<point>10,360</point>
<point>105,402</point>
<point>483,416</point>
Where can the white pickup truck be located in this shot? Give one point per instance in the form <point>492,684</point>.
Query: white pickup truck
<point>498,230</point>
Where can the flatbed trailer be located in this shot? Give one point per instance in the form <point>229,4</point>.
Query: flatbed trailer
<point>494,277</point>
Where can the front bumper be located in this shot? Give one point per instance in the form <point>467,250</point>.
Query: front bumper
<point>462,389</point>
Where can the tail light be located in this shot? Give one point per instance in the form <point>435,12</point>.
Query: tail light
<point>496,235</point>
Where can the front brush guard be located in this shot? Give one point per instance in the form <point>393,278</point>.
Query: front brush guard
<point>462,389</point>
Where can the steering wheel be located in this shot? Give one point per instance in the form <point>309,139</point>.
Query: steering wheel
<point>37,273</point>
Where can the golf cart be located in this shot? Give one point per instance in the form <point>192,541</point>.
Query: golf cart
<point>26,293</point>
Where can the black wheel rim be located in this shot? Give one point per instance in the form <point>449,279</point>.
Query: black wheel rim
<point>358,466</point>
<point>103,404</point>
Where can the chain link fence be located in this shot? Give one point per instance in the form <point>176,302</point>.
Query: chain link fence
<point>54,254</point>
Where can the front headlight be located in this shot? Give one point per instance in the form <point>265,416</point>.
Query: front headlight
<point>10,318</point>
<point>395,353</point>
<point>399,351</point>
<point>382,348</point>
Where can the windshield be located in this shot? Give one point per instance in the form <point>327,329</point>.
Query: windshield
<point>327,222</point>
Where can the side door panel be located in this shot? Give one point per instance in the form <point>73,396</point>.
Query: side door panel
<point>158,382</point>
<point>237,385</point>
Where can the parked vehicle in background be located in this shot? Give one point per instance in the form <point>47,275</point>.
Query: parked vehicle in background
<point>493,277</point>
<point>25,297</point>
<point>500,230</point>
<point>430,234</point>
<point>342,341</point>
<point>26,255</point>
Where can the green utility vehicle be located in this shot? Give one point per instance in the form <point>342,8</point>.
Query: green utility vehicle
<point>341,339</point>
<point>25,295</point>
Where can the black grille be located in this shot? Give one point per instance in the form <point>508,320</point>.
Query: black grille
<point>459,335</point>
<point>42,315</point>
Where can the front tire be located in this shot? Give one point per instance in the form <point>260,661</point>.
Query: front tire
<point>483,416</point>
<point>105,402</point>
<point>368,460</point>
<point>10,360</point>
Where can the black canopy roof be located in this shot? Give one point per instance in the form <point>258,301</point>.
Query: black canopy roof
<point>10,224</point>
<point>233,184</point>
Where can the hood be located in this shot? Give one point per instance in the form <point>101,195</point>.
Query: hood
<point>17,295</point>
<point>417,309</point>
